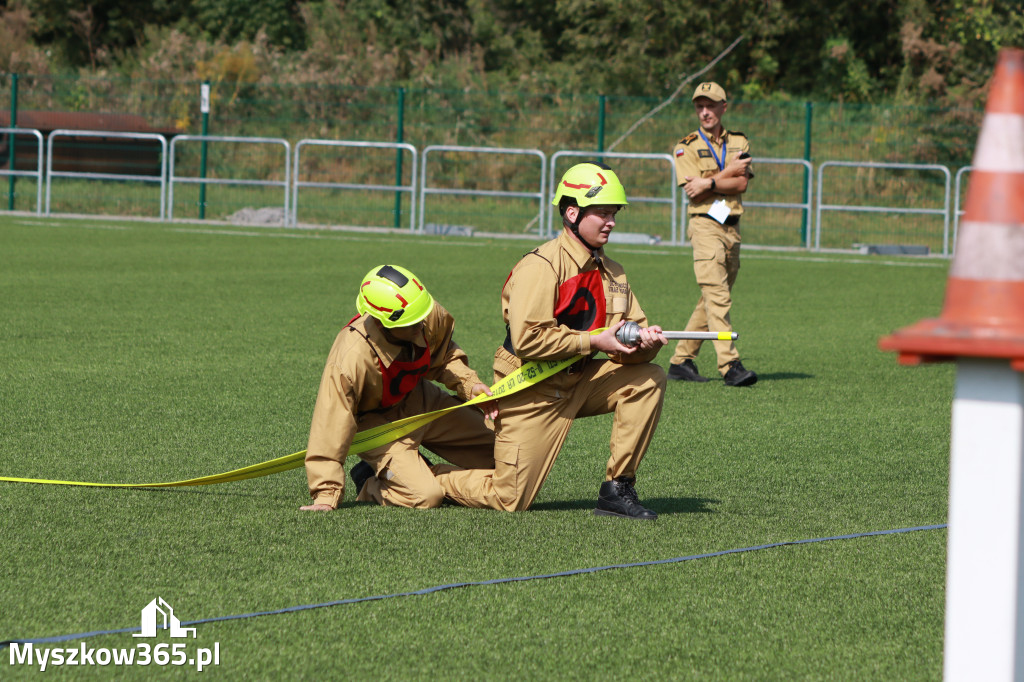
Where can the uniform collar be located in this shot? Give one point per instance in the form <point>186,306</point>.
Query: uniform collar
<point>719,140</point>
<point>577,251</point>
<point>385,349</point>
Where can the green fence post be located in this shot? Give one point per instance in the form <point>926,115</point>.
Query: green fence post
<point>204,106</point>
<point>808,118</point>
<point>601,102</point>
<point>400,138</point>
<point>14,124</point>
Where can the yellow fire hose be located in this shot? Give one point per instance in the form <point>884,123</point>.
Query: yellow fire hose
<point>527,375</point>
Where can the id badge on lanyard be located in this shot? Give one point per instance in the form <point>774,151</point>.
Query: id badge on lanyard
<point>719,210</point>
<point>720,162</point>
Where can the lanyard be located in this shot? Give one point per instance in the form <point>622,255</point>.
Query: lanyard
<point>720,162</point>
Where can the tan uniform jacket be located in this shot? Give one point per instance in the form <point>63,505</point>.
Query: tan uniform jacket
<point>529,297</point>
<point>352,385</point>
<point>695,160</point>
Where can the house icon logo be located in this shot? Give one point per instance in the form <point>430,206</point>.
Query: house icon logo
<point>159,609</point>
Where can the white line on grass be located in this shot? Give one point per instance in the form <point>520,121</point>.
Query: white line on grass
<point>284,235</point>
<point>808,259</point>
<point>85,226</point>
<point>854,261</point>
<point>377,238</point>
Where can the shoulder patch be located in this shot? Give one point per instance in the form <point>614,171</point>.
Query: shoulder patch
<point>737,133</point>
<point>688,139</point>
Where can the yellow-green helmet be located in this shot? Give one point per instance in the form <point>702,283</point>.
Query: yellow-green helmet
<point>591,184</point>
<point>394,296</point>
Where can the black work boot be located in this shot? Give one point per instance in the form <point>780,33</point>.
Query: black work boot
<point>738,375</point>
<point>618,498</point>
<point>685,371</point>
<point>360,474</point>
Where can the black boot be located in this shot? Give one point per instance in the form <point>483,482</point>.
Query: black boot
<point>618,498</point>
<point>685,371</point>
<point>738,375</point>
<point>360,474</point>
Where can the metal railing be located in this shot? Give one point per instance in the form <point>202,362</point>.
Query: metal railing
<point>419,185</point>
<point>425,189</point>
<point>37,173</point>
<point>205,139</point>
<point>956,202</point>
<point>805,206</point>
<point>410,189</point>
<point>944,211</point>
<point>671,199</point>
<point>123,177</point>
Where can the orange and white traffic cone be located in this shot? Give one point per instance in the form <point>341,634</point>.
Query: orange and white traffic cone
<point>983,315</point>
<point>981,328</point>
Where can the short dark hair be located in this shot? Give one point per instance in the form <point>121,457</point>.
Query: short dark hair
<point>564,203</point>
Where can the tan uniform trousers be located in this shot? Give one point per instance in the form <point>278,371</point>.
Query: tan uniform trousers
<point>716,262</point>
<point>533,424</point>
<point>403,479</point>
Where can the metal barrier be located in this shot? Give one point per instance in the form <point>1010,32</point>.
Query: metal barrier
<point>944,212</point>
<point>161,179</point>
<point>419,187</point>
<point>398,146</point>
<point>805,206</point>
<point>37,173</point>
<point>956,202</point>
<point>672,200</point>
<point>172,178</point>
<point>425,190</point>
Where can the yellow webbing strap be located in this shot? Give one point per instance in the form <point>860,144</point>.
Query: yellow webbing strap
<point>527,375</point>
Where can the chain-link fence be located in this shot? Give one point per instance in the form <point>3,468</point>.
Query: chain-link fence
<point>814,132</point>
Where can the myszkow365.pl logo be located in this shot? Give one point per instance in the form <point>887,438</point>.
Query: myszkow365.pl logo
<point>157,615</point>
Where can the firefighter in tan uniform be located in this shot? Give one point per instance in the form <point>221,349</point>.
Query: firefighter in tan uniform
<point>378,371</point>
<point>554,297</point>
<point>713,167</point>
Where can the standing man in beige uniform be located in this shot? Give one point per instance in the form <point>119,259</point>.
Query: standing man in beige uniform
<point>379,371</point>
<point>554,298</point>
<point>713,167</point>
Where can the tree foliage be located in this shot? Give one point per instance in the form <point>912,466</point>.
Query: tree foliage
<point>911,51</point>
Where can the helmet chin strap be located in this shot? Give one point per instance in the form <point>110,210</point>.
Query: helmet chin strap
<point>574,226</point>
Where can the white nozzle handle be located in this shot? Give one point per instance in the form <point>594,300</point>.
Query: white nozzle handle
<point>629,335</point>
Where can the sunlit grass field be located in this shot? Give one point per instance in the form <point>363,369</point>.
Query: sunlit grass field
<point>143,352</point>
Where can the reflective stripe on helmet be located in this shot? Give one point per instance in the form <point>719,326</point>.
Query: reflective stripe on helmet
<point>589,184</point>
<point>394,296</point>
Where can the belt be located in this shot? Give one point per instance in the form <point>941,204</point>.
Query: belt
<point>730,221</point>
<point>578,366</point>
<point>574,368</point>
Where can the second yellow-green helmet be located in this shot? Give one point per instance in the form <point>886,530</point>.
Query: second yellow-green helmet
<point>394,296</point>
<point>590,184</point>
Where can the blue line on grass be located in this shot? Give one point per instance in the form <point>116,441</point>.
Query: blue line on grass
<point>495,581</point>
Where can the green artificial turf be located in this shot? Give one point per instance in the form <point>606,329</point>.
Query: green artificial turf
<point>142,352</point>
